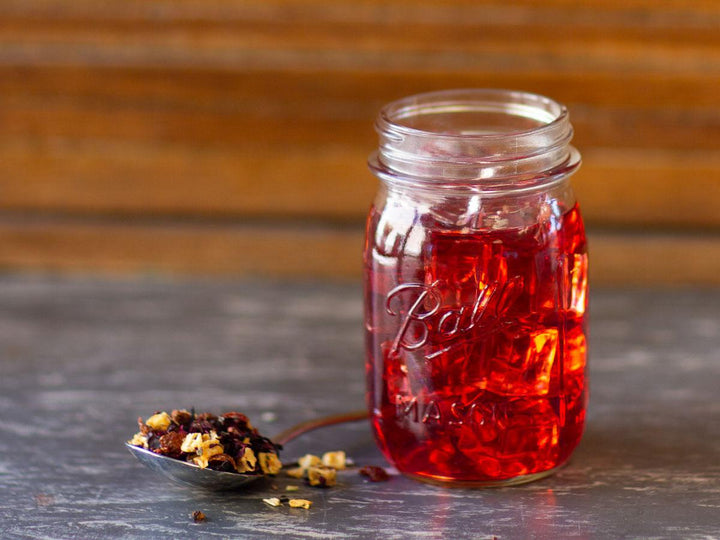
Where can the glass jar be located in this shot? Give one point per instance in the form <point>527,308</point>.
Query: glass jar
<point>475,274</point>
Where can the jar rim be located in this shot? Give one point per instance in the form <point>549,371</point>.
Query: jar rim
<point>547,112</point>
<point>486,139</point>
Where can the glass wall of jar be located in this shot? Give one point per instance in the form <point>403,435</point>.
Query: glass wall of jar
<point>475,274</point>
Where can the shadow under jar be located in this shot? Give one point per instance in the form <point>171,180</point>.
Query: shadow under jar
<point>475,275</point>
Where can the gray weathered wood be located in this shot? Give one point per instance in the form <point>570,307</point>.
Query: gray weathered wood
<point>81,359</point>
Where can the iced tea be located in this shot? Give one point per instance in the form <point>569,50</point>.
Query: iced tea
<point>476,345</point>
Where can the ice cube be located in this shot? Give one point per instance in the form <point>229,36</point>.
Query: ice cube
<point>578,283</point>
<point>482,426</point>
<point>520,363</point>
<point>575,348</point>
<point>532,429</point>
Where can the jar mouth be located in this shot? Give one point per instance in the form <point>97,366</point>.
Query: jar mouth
<point>512,108</point>
<point>485,135</point>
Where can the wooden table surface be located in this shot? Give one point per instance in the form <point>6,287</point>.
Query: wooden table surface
<point>82,358</point>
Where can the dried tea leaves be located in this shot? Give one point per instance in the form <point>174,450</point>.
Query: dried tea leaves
<point>227,443</point>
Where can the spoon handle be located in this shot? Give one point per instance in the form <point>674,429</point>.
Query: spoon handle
<point>310,425</point>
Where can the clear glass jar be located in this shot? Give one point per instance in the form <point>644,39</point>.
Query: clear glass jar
<point>475,288</point>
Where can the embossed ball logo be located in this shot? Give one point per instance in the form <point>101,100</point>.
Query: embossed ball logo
<point>427,322</point>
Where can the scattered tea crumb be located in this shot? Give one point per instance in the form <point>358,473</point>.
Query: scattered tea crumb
<point>319,472</point>
<point>309,460</point>
<point>335,460</point>
<point>291,488</point>
<point>296,472</point>
<point>294,503</point>
<point>44,499</point>
<point>300,503</point>
<point>375,474</point>
<point>268,416</point>
<point>321,476</point>
<point>198,516</point>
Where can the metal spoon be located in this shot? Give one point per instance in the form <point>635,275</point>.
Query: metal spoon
<point>186,473</point>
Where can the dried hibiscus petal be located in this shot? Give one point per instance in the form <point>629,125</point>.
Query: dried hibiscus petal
<point>170,444</point>
<point>198,516</point>
<point>181,417</point>
<point>237,421</point>
<point>375,474</point>
<point>222,462</point>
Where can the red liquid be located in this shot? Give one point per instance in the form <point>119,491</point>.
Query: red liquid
<point>476,347</point>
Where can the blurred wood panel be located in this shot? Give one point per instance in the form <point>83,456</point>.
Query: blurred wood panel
<point>616,187</point>
<point>268,119</point>
<point>253,111</point>
<point>304,92</point>
<point>217,250</point>
<point>264,250</point>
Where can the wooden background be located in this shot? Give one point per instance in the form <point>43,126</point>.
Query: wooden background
<point>229,137</point>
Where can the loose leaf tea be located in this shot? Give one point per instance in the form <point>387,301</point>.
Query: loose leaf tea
<point>227,443</point>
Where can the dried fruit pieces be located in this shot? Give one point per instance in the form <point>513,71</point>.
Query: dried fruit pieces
<point>309,460</point>
<point>321,476</point>
<point>335,460</point>
<point>319,471</point>
<point>159,421</point>
<point>269,462</point>
<point>296,472</point>
<point>227,443</point>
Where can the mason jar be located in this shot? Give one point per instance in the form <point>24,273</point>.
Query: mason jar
<point>475,279</point>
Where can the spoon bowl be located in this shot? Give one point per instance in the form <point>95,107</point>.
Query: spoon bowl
<point>190,474</point>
